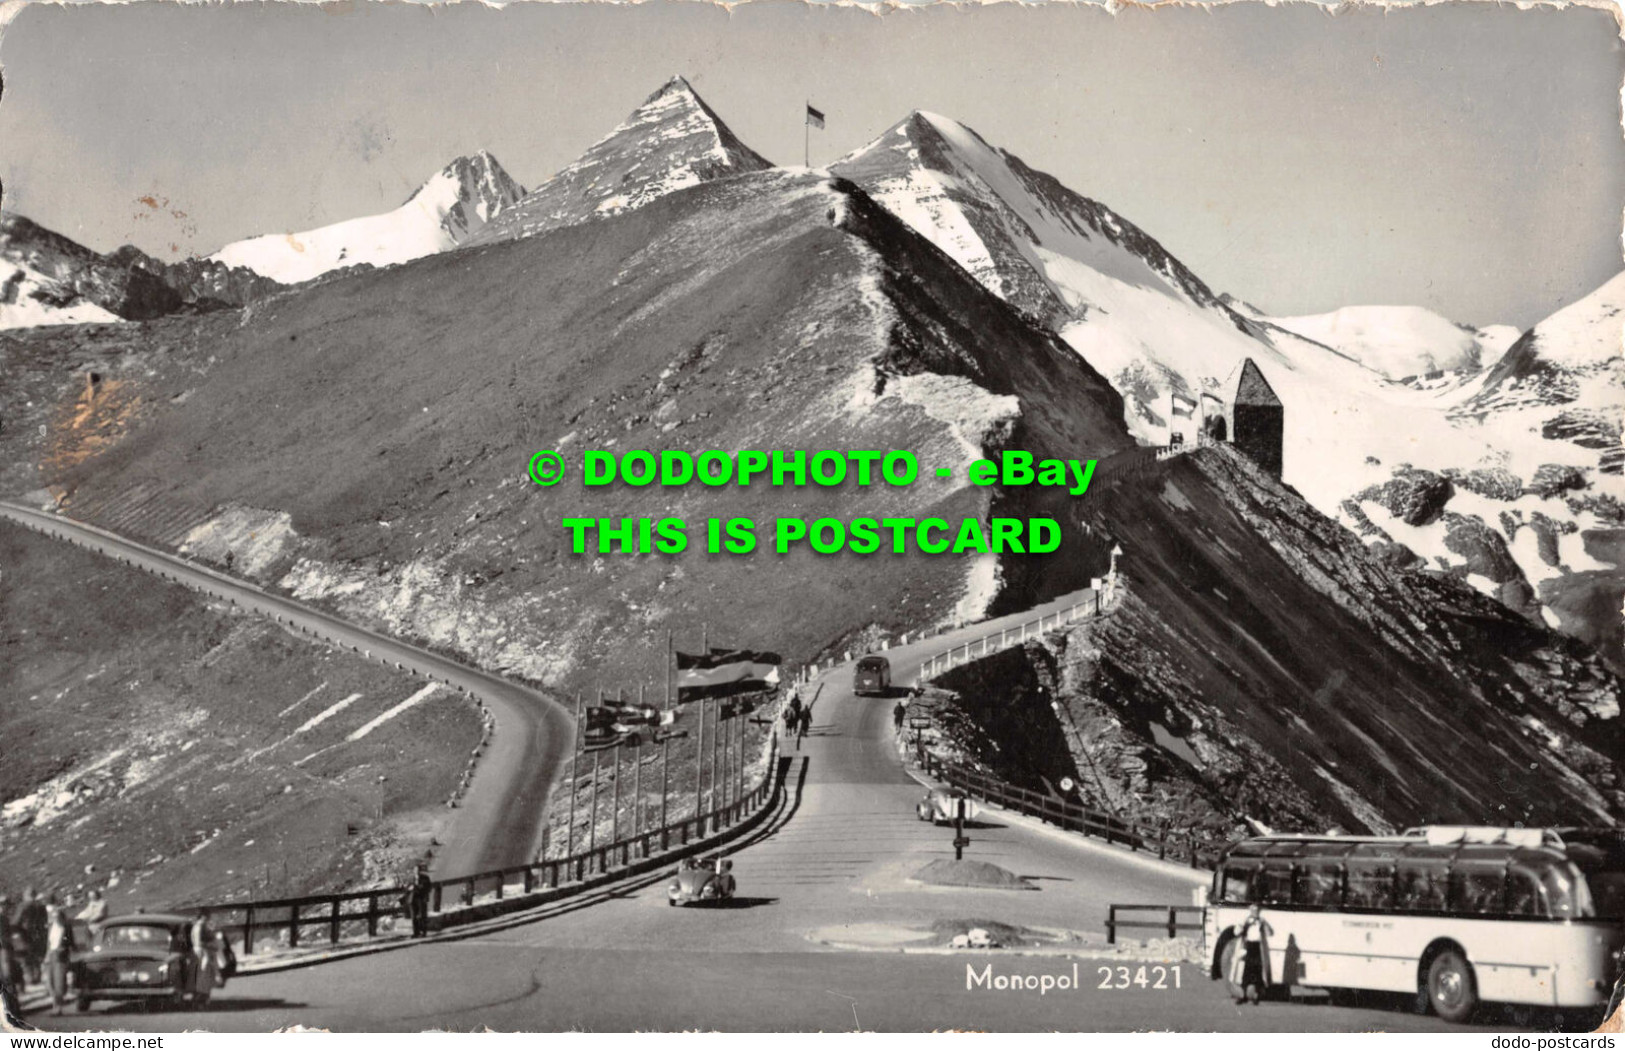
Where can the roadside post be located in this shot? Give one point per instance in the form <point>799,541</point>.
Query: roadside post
<point>961,841</point>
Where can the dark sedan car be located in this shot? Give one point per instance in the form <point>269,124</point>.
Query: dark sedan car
<point>146,957</point>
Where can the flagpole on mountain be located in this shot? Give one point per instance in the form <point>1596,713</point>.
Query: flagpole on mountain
<point>592,825</point>
<point>575,762</point>
<point>665,745</point>
<point>806,136</point>
<point>699,767</point>
<point>637,777</point>
<point>727,742</point>
<point>705,648</point>
<point>615,800</point>
<point>716,734</point>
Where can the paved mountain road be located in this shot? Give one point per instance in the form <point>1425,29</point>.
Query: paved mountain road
<point>500,818</point>
<point>810,944</point>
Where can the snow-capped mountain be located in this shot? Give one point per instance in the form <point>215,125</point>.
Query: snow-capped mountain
<point>1384,457</point>
<point>446,211</point>
<point>1404,343</point>
<point>49,279</point>
<point>1137,314</point>
<point>1564,377</point>
<point>671,141</point>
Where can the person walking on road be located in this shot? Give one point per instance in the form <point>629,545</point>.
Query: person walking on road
<point>804,724</point>
<point>31,923</point>
<point>58,955</point>
<point>897,714</point>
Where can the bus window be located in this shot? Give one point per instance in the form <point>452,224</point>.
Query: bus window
<point>1371,884</point>
<point>1239,879</point>
<point>1523,893</point>
<point>1421,885</point>
<point>1607,894</point>
<point>1566,893</point>
<point>1320,882</point>
<point>1477,888</point>
<point>1275,882</point>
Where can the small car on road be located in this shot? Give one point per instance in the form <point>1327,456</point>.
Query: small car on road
<point>940,805</point>
<point>147,956</point>
<point>872,677</point>
<point>701,882</point>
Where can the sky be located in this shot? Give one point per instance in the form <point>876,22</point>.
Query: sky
<point>1465,157</point>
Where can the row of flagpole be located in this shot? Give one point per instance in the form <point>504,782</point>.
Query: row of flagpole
<point>731,746</point>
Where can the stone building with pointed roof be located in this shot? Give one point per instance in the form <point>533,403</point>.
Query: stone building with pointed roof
<point>1254,418</point>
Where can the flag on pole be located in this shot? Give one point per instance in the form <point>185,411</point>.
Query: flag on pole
<point>723,672</point>
<point>815,118</point>
<point>1179,405</point>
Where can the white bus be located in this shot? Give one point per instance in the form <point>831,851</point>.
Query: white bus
<point>1455,915</point>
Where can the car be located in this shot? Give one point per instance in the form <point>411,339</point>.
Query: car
<point>872,677</point>
<point>699,883</point>
<point>150,956</point>
<point>940,805</point>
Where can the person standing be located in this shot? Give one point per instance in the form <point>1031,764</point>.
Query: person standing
<point>422,889</point>
<point>58,955</point>
<point>11,969</point>
<point>95,910</point>
<point>31,924</point>
<point>1254,933</point>
<point>897,714</point>
<point>205,965</point>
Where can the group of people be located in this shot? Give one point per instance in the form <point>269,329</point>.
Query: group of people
<point>37,944</point>
<point>797,716</point>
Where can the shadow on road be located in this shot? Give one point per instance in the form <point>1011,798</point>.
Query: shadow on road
<point>1493,1016</point>
<point>740,901</point>
<point>216,1005</point>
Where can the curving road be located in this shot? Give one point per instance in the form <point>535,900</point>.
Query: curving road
<point>501,816</point>
<point>812,943</point>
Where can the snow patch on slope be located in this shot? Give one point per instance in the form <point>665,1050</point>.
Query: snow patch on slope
<point>29,298</point>
<point>1403,341</point>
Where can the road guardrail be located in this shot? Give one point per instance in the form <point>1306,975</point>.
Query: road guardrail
<point>1167,919</point>
<point>1199,852</point>
<point>994,641</point>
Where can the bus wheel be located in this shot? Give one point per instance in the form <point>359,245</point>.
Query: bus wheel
<point>1452,991</point>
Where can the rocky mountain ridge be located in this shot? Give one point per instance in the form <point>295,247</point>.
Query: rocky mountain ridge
<point>671,141</point>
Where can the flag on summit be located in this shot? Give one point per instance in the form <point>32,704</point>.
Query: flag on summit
<point>814,117</point>
<point>724,672</point>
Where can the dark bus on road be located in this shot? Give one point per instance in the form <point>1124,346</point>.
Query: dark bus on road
<point>872,677</point>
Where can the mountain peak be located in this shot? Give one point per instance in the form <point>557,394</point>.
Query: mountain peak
<point>672,140</point>
<point>677,83</point>
<point>450,207</point>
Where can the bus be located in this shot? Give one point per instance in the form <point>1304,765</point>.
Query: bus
<point>872,677</point>
<point>1456,915</point>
